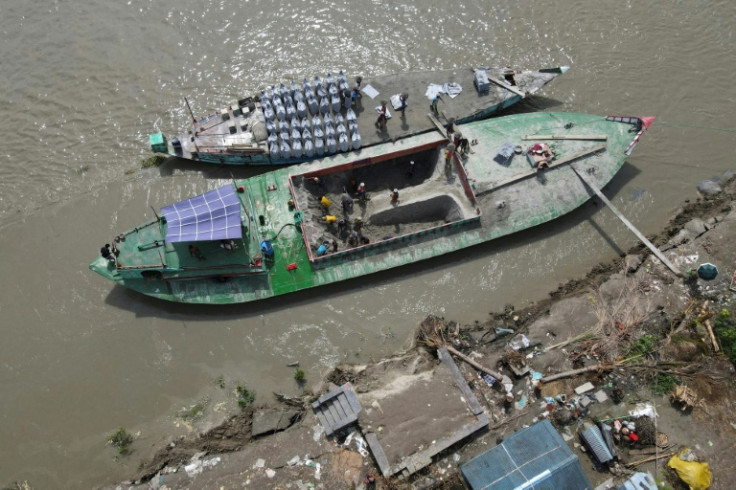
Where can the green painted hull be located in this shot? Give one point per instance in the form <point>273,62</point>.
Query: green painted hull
<point>441,210</point>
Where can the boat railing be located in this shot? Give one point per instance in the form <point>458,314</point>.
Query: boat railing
<point>464,178</point>
<point>253,226</point>
<point>401,240</point>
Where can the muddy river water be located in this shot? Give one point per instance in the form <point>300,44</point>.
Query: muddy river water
<point>82,83</point>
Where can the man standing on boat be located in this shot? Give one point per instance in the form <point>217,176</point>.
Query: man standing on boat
<point>382,117</point>
<point>433,106</point>
<point>402,107</point>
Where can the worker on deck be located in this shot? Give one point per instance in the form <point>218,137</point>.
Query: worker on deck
<point>106,253</point>
<point>361,191</point>
<point>395,196</point>
<point>433,106</point>
<point>382,116</point>
<point>461,143</point>
<point>325,202</point>
<point>358,224</point>
<point>347,203</point>
<point>402,100</point>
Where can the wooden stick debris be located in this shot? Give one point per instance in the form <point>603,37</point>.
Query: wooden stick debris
<point>586,137</point>
<point>634,464</point>
<point>582,336</point>
<point>477,366</point>
<point>575,372</point>
<point>716,348</point>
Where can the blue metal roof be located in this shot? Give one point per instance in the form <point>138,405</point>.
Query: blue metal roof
<point>533,458</point>
<point>214,215</point>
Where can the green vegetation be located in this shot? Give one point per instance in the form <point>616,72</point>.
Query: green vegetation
<point>725,329</point>
<point>121,440</point>
<point>245,397</point>
<point>299,375</point>
<point>643,346</point>
<point>153,161</point>
<point>664,384</point>
<point>194,412</point>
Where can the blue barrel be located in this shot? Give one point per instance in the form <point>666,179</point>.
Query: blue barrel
<point>267,248</point>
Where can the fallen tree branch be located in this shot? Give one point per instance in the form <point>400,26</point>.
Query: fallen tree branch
<point>634,464</point>
<point>582,336</point>
<point>500,377</point>
<point>575,372</point>
<point>510,419</point>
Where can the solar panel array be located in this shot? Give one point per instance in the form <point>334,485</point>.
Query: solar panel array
<point>214,215</point>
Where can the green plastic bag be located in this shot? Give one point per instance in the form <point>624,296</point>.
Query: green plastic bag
<point>696,475</point>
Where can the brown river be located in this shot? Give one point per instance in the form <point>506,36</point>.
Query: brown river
<point>83,83</point>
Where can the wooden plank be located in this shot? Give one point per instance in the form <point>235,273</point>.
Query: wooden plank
<point>329,416</point>
<point>628,224</point>
<point>345,405</point>
<point>345,422</point>
<point>325,423</point>
<point>508,87</point>
<point>438,124</point>
<point>472,401</point>
<point>336,416</point>
<point>592,137</point>
<point>353,400</point>
<point>553,164</point>
<point>378,454</point>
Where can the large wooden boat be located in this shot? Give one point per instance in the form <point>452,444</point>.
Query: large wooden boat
<point>382,207</point>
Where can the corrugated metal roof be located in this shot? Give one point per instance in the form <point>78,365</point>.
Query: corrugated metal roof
<point>533,458</point>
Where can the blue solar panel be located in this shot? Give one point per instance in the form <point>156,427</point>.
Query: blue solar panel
<point>214,215</point>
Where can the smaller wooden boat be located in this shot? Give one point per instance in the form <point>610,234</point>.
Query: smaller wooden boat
<point>295,122</point>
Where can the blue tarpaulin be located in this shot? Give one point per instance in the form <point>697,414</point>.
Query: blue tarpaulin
<point>533,458</point>
<point>214,215</point>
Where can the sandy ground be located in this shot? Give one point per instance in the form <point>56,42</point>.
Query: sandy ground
<point>618,303</point>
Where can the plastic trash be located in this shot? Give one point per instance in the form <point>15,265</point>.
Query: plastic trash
<point>500,331</point>
<point>697,475</point>
<point>519,342</point>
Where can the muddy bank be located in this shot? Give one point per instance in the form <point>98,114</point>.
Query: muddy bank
<point>639,327</point>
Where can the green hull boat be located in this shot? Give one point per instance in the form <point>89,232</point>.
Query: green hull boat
<point>382,207</point>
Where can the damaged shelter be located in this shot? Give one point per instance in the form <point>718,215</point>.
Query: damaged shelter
<point>533,458</point>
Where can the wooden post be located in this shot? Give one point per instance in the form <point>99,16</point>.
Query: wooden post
<point>508,87</point>
<point>628,224</point>
<point>582,137</point>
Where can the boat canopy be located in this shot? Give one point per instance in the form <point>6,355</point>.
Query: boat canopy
<point>214,215</point>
